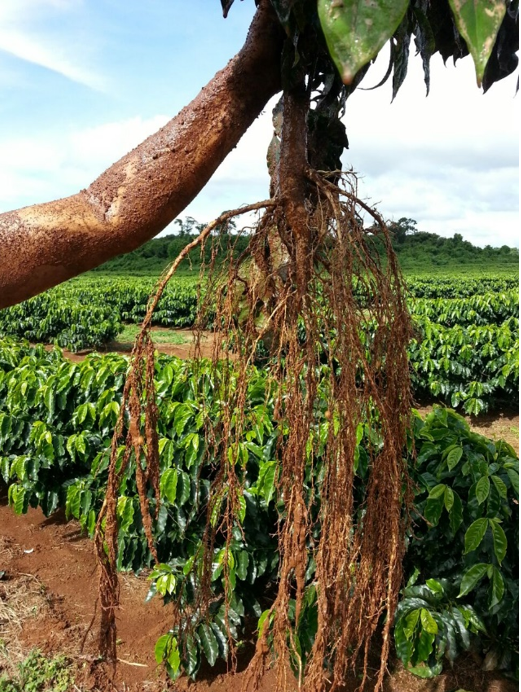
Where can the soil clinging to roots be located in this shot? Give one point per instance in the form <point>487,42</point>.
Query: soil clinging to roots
<point>322,300</point>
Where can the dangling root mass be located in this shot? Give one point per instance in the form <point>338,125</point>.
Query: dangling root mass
<point>325,300</point>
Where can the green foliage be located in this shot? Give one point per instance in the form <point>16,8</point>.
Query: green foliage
<point>415,249</point>
<point>56,421</point>
<point>57,317</point>
<point>87,312</point>
<point>37,673</point>
<point>419,250</point>
<point>157,253</point>
<point>491,308</point>
<point>470,366</point>
<point>465,352</point>
<point>462,553</point>
<point>457,286</point>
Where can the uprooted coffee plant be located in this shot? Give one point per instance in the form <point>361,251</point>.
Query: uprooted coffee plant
<point>317,299</point>
<point>312,297</point>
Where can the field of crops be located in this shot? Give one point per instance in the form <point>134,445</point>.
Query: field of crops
<point>56,422</point>
<point>57,419</point>
<point>465,352</point>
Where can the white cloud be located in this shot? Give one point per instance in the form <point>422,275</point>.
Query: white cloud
<point>25,33</point>
<point>46,165</point>
<point>450,161</point>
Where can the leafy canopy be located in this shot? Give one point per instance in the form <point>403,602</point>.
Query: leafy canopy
<point>356,30</point>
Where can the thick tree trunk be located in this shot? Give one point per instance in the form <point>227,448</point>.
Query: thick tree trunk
<point>45,244</point>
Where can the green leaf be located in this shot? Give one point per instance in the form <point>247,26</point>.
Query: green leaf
<point>437,491</point>
<point>434,508</point>
<point>475,534</point>
<point>265,486</point>
<point>17,498</point>
<point>514,479</point>
<point>499,539</point>
<point>424,646</point>
<point>166,583</point>
<point>472,577</point>
<point>478,21</point>
<point>482,489</point>
<point>449,498</point>
<point>191,651</point>
<point>125,513</point>
<point>453,457</point>
<point>72,503</point>
<point>410,623</point>
<point>500,486</point>
<point>222,639</point>
<point>456,513</point>
<point>425,671</point>
<point>242,561</point>
<point>168,485</point>
<point>428,622</point>
<point>355,31</point>
<point>404,645</point>
<point>209,643</point>
<point>81,445</point>
<point>262,622</point>
<point>166,650</point>
<point>185,487</point>
<point>434,585</point>
<point>497,588</point>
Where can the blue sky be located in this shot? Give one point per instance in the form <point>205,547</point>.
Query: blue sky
<point>84,81</point>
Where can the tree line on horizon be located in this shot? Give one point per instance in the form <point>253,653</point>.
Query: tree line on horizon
<point>415,248</point>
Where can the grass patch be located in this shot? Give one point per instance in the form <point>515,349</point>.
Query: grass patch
<point>159,336</point>
<point>37,673</point>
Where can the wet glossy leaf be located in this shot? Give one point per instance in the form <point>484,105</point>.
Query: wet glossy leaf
<point>424,646</point>
<point>404,645</point>
<point>168,485</point>
<point>209,643</point>
<point>428,622</point>
<point>456,513</point>
<point>449,498</point>
<point>514,479</point>
<point>500,486</point>
<point>454,457</point>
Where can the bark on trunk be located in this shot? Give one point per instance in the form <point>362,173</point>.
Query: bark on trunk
<point>45,244</point>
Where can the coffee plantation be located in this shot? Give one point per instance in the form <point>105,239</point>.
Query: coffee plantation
<point>56,420</point>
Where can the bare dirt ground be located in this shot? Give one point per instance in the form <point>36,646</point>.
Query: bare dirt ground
<point>47,600</point>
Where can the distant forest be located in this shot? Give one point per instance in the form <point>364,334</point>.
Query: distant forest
<point>415,249</point>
